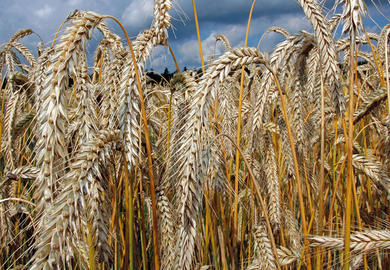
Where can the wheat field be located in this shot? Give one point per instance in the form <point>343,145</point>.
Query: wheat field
<point>261,161</point>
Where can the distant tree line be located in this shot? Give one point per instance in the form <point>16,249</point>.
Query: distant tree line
<point>166,76</point>
<point>155,77</point>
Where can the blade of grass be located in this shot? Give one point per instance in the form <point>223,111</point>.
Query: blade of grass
<point>92,263</point>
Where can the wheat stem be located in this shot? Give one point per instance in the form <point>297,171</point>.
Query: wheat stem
<point>349,147</point>
<point>297,173</point>
<point>17,200</point>
<point>174,58</point>
<point>387,71</point>
<point>261,201</point>
<point>198,34</point>
<point>238,140</point>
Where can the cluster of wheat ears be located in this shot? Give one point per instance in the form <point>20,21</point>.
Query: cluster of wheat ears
<point>259,162</point>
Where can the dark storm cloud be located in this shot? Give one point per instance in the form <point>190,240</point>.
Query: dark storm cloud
<point>232,10</point>
<point>215,13</point>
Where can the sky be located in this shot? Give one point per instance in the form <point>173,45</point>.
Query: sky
<point>228,17</point>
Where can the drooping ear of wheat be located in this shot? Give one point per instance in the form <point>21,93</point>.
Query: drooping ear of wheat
<point>84,116</point>
<point>264,258</point>
<point>129,108</point>
<point>382,42</point>
<point>52,119</point>
<point>360,242</point>
<point>273,187</point>
<point>190,174</point>
<point>352,15</point>
<point>167,232</point>
<point>278,59</point>
<point>81,208</point>
<point>110,90</point>
<point>224,40</point>
<point>327,50</point>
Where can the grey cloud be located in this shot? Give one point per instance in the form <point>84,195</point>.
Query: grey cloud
<point>228,17</point>
<point>45,16</point>
<point>236,10</point>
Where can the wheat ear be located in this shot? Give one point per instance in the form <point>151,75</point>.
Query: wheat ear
<point>129,108</point>
<point>167,231</point>
<point>84,119</point>
<point>272,181</point>
<point>51,147</point>
<point>373,168</point>
<point>190,159</point>
<point>360,242</point>
<point>352,15</point>
<point>327,50</point>
<point>264,257</point>
<point>9,121</point>
<point>80,203</point>
<point>225,41</point>
<point>111,90</point>
<point>279,58</point>
<point>370,104</point>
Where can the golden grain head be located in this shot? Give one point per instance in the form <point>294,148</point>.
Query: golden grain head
<point>260,167</point>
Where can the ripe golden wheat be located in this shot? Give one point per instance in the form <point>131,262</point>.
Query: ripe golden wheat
<point>104,168</point>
